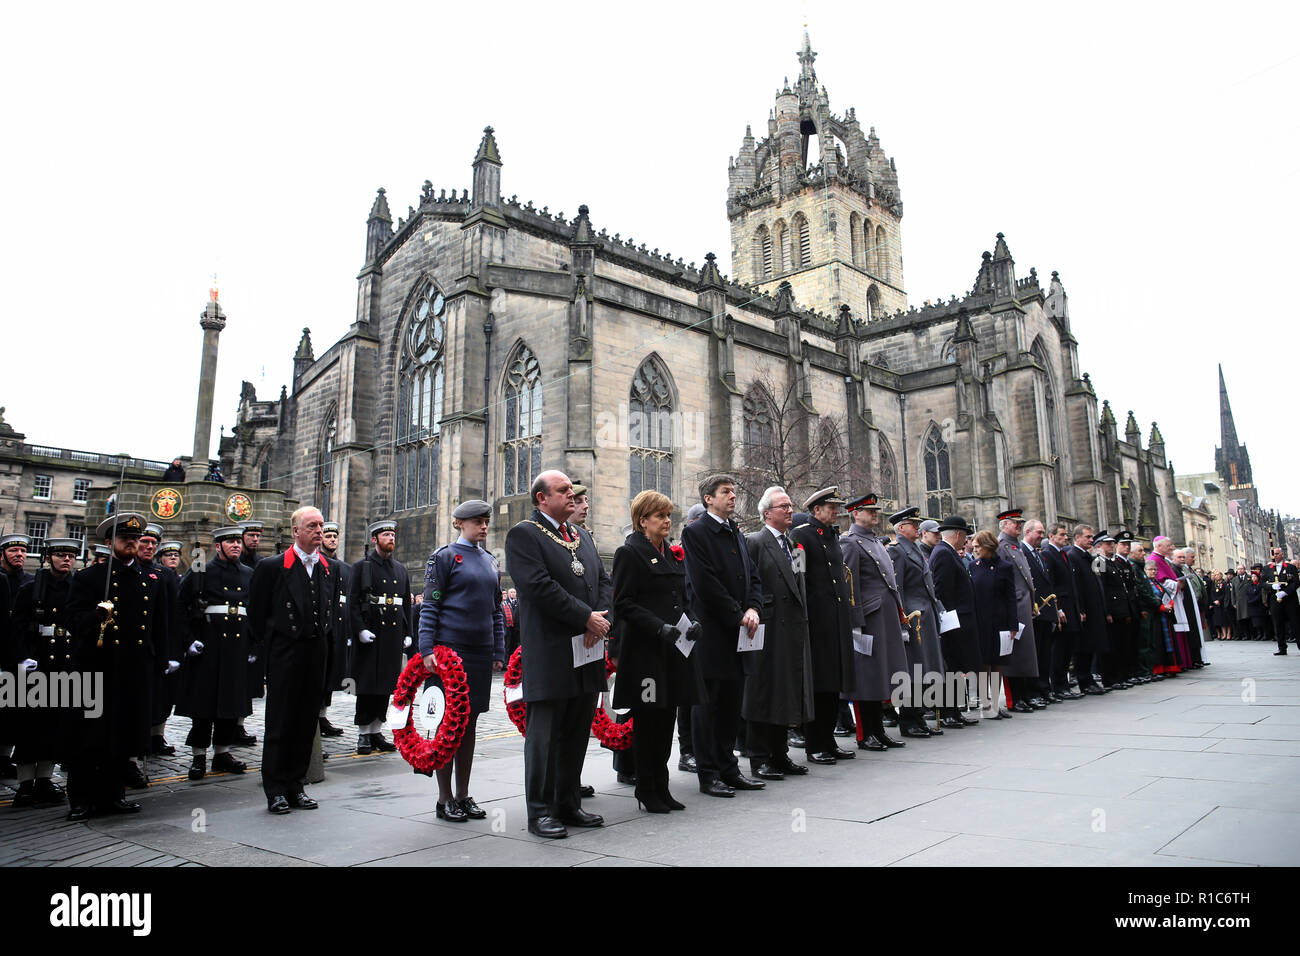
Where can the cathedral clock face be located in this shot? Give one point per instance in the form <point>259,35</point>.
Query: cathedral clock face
<point>424,341</point>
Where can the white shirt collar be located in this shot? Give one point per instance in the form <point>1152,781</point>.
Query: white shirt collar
<point>716,518</point>
<point>775,533</point>
<point>554,524</point>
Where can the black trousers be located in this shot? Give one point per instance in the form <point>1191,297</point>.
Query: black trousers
<point>295,680</point>
<point>554,749</point>
<point>819,732</point>
<point>371,707</point>
<point>1286,621</point>
<point>652,742</point>
<point>870,719</point>
<point>1062,647</point>
<point>766,742</point>
<point>201,732</point>
<point>714,726</point>
<point>685,745</point>
<point>1044,638</point>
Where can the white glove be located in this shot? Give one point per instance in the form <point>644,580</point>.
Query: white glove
<point>349,642</point>
<point>367,637</point>
<point>252,658</point>
<point>1281,595</point>
<point>196,648</point>
<point>172,667</point>
<point>29,665</point>
<point>407,641</point>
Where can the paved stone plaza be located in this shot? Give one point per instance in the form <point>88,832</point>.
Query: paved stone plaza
<point>1183,772</point>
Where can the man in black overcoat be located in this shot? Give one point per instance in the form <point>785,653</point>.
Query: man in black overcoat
<point>1067,634</point>
<point>379,602</point>
<point>293,610</point>
<point>564,593</point>
<point>250,539</point>
<point>1092,610</point>
<point>725,596</point>
<point>1047,617</point>
<point>955,591</point>
<point>336,664</point>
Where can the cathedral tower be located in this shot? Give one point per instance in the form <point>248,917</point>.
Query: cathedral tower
<point>1231,460</point>
<point>831,229</point>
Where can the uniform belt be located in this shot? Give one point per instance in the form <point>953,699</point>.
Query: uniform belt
<point>51,630</point>
<point>226,609</point>
<point>385,599</point>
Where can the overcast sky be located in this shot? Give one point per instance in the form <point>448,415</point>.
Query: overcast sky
<point>1149,152</point>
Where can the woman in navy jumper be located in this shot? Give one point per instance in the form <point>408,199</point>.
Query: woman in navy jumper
<point>462,609</point>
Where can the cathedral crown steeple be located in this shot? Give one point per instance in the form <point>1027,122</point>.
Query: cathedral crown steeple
<point>1231,460</point>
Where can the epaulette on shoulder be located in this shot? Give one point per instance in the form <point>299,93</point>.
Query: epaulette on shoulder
<point>799,527</point>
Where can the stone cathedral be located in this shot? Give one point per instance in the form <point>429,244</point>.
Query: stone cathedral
<point>494,339</point>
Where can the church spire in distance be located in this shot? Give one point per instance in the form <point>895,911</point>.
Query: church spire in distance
<point>1231,460</point>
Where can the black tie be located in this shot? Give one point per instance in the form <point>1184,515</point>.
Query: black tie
<point>785,546</point>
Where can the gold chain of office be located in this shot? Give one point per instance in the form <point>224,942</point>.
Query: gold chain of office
<point>575,566</point>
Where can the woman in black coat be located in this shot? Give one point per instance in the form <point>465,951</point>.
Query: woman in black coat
<point>995,612</point>
<point>654,677</point>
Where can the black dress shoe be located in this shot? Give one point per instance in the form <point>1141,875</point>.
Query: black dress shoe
<point>25,797</point>
<point>586,791</point>
<point>364,746</point>
<point>122,806</point>
<point>967,721</point>
<point>716,788</point>
<point>845,731</point>
<point>471,809</point>
<point>741,782</point>
<point>765,771</point>
<point>1071,695</point>
<point>934,731</point>
<point>794,740</point>
<point>548,827</point>
<point>159,747</point>
<point>687,763</point>
<point>225,763</point>
<point>1092,690</point>
<point>300,801</point>
<point>788,767</point>
<point>889,741</point>
<point>49,793</point>
<point>199,768</point>
<point>133,777</point>
<point>871,743</point>
<point>451,812</point>
<point>952,723</point>
<point>329,730</point>
<point>581,818</point>
<point>841,754</point>
<point>243,738</point>
<point>277,805</point>
<point>889,721</point>
<point>916,731</point>
<point>381,744</point>
<point>822,758</point>
<point>1020,707</point>
<point>1038,703</point>
<point>77,813</point>
<point>1004,713</point>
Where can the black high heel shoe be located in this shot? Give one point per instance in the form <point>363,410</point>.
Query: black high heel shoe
<point>651,802</point>
<point>669,802</point>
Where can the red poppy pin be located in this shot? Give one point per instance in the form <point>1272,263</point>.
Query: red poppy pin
<point>677,551</point>
<point>799,546</point>
<point>819,531</point>
<point>154,576</point>
<point>458,558</point>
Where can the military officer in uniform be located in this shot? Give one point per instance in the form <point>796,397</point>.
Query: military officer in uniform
<point>877,612</point>
<point>1021,669</point>
<point>1120,612</point>
<point>13,558</point>
<point>118,613</point>
<point>1130,668</point>
<point>169,556</point>
<point>292,612</point>
<point>43,643</point>
<point>916,586</point>
<point>214,692</point>
<point>337,666</point>
<point>250,538</point>
<point>829,622</point>
<point>164,690</point>
<point>379,603</point>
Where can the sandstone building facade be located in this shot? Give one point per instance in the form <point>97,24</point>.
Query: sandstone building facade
<point>494,339</point>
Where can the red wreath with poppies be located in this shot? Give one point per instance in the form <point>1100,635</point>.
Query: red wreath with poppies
<point>613,735</point>
<point>422,753</point>
<point>516,710</point>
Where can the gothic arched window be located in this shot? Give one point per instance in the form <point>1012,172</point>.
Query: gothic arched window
<point>650,430</point>
<point>264,472</point>
<point>830,455</point>
<point>802,251</point>
<point>523,440</point>
<point>882,257</point>
<point>868,245</point>
<point>419,402</point>
<point>780,247</point>
<point>938,475</point>
<point>325,462</point>
<point>762,253</point>
<point>888,474</point>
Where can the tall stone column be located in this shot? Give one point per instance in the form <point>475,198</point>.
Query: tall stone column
<point>212,320</point>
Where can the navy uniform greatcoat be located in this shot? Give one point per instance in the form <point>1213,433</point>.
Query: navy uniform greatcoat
<point>379,600</point>
<point>214,683</point>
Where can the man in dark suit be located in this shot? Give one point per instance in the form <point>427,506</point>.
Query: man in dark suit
<point>780,693</point>
<point>1046,615</point>
<point>954,590</point>
<point>725,596</point>
<point>293,610</point>
<point>1092,610</point>
<point>916,587</point>
<point>564,592</point>
<point>1067,634</point>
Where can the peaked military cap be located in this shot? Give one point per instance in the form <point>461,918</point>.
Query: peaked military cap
<point>10,540</point>
<point>225,534</point>
<point>126,524</point>
<point>169,546</point>
<point>823,496</point>
<point>251,526</point>
<point>912,514</point>
<point>870,501</point>
<point>379,527</point>
<point>62,545</point>
<point>1102,536</point>
<point>1013,514</point>
<point>330,526</point>
<point>1123,535</point>
<point>152,530</point>
<point>473,508</point>
<point>956,523</point>
<point>102,551</point>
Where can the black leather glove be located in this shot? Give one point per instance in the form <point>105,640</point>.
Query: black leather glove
<point>695,631</point>
<point>668,633</point>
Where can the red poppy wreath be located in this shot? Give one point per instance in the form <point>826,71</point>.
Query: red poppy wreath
<point>429,754</point>
<point>515,709</point>
<point>613,735</point>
